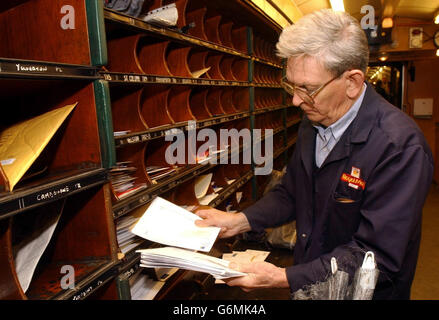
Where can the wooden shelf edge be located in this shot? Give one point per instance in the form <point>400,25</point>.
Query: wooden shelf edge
<point>32,69</point>
<point>161,31</point>
<point>90,284</point>
<point>127,205</point>
<point>20,201</point>
<point>138,78</point>
<point>160,132</point>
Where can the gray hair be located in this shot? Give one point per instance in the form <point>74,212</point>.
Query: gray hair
<point>333,38</point>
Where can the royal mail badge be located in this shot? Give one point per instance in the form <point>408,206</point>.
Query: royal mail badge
<point>353,179</point>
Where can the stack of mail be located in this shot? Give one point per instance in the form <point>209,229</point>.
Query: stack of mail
<point>185,259</point>
<point>169,224</point>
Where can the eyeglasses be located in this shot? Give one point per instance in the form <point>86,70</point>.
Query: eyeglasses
<point>308,98</point>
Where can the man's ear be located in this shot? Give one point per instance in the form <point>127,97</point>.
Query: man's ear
<point>354,83</point>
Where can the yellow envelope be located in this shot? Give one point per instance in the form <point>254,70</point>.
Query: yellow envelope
<point>21,144</point>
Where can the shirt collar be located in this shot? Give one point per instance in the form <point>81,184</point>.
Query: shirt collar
<point>338,128</point>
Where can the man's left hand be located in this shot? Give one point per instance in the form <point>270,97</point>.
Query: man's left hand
<point>260,275</point>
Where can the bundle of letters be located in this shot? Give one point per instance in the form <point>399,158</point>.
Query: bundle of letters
<point>122,180</point>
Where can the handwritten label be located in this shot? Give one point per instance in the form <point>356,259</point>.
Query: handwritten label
<point>30,68</point>
<point>133,139</point>
<point>163,80</point>
<point>52,194</point>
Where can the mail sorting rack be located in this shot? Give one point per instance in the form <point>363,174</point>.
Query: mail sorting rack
<point>223,181</point>
<point>57,217</point>
<point>214,73</point>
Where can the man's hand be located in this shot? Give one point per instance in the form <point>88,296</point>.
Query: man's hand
<point>260,275</point>
<point>230,223</point>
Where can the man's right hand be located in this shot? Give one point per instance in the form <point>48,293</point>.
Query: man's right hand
<point>231,224</point>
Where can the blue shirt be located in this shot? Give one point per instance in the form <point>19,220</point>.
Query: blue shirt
<point>328,137</point>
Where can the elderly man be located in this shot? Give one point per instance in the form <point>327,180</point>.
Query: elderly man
<point>359,175</point>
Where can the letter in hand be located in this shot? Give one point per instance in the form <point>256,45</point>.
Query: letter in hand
<point>231,224</point>
<point>260,275</point>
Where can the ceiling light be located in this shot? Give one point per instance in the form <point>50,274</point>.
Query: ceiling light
<point>387,23</point>
<point>337,5</point>
<point>436,17</point>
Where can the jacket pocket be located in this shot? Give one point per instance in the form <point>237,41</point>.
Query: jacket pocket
<point>343,219</point>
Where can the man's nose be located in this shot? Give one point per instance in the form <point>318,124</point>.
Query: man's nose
<point>297,101</point>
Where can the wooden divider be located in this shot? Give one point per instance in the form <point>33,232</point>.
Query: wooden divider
<point>178,104</point>
<point>226,68</point>
<point>219,176</point>
<point>126,109</point>
<point>213,61</point>
<point>122,54</point>
<point>197,17</point>
<point>212,27</point>
<point>213,100</point>
<point>225,32</point>
<point>265,97</point>
<point>241,99</point>
<point>25,28</point>
<point>257,73</point>
<point>197,61</point>
<point>198,104</point>
<point>151,55</point>
<point>227,100</point>
<point>240,69</point>
<point>177,60</point>
<point>184,195</point>
<point>154,106</point>
<point>239,38</point>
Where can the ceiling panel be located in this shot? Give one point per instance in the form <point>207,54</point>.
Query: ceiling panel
<point>308,6</point>
<point>421,9</point>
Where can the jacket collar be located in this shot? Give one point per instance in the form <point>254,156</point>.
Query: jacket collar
<point>357,132</point>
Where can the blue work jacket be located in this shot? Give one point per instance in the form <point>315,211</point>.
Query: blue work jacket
<point>367,196</point>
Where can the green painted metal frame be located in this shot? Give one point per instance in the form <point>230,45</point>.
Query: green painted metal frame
<point>96,32</point>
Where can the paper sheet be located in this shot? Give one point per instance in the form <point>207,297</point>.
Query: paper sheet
<point>202,185</point>
<point>199,73</point>
<point>244,257</point>
<point>143,287</point>
<point>207,199</point>
<point>169,224</point>
<point>25,141</point>
<point>166,15</point>
<point>169,257</point>
<point>28,251</point>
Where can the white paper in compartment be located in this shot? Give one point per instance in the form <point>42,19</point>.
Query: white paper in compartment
<point>28,252</point>
<point>202,184</point>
